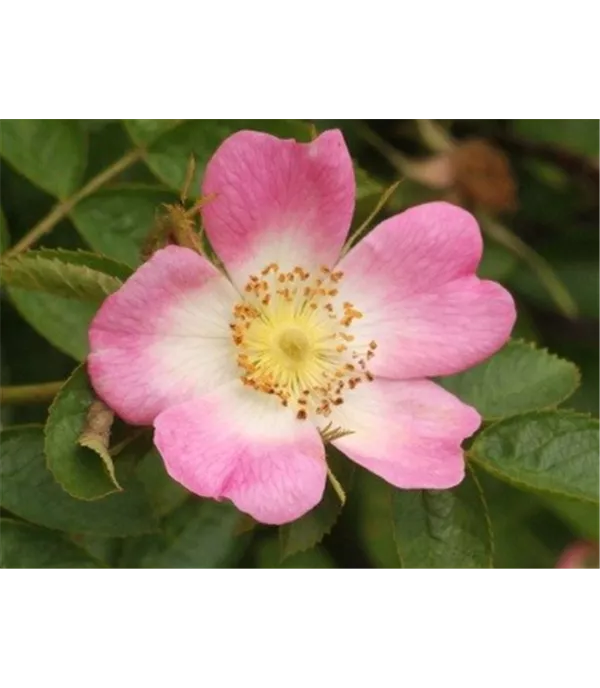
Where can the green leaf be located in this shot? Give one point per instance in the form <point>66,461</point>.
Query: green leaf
<point>26,547</point>
<point>164,493</point>
<point>587,397</point>
<point>35,271</point>
<point>106,550</point>
<point>169,155</point>
<point>548,451</point>
<point>199,534</point>
<point>95,124</point>
<point>309,530</point>
<point>518,379</point>
<point>267,556</point>
<point>63,322</point>
<point>577,135</point>
<point>519,526</point>
<point>4,236</point>
<point>109,144</point>
<point>82,472</point>
<point>117,221</point>
<point>144,131</point>
<point>582,517</point>
<point>374,529</point>
<point>51,153</point>
<point>29,490</point>
<point>94,261</point>
<point>443,528</point>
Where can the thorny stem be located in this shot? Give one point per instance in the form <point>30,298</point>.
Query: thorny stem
<point>62,209</point>
<point>30,394</point>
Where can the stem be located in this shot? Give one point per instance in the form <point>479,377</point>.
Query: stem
<point>538,265</point>
<point>30,394</point>
<point>385,197</point>
<point>388,151</point>
<point>118,448</point>
<point>62,209</point>
<point>434,136</point>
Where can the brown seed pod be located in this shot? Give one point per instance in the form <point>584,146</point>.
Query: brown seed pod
<point>482,175</point>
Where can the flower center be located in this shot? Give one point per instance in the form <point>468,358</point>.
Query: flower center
<point>294,339</point>
<point>294,344</point>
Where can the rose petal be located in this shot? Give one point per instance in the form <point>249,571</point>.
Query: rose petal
<point>407,432</point>
<point>244,446</point>
<point>278,201</point>
<point>164,337</point>
<point>413,279</point>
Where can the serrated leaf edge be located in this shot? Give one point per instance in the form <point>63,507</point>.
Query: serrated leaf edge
<point>27,262</point>
<point>534,347</point>
<point>285,555</point>
<point>63,254</point>
<point>471,456</point>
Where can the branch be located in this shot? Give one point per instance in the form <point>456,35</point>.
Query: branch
<point>62,209</point>
<point>30,394</point>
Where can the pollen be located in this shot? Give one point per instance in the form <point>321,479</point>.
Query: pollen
<point>293,339</point>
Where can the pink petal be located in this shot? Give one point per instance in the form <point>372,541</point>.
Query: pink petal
<point>579,555</point>
<point>244,446</point>
<point>164,337</point>
<point>278,201</point>
<point>413,278</point>
<point>408,432</point>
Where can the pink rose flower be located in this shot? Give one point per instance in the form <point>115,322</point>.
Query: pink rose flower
<point>579,555</point>
<point>241,372</point>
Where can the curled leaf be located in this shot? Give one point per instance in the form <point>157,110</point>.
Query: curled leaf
<point>96,435</point>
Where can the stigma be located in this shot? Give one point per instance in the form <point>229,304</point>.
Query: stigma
<point>294,339</point>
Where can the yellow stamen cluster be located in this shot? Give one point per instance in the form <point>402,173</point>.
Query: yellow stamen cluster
<point>294,339</point>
